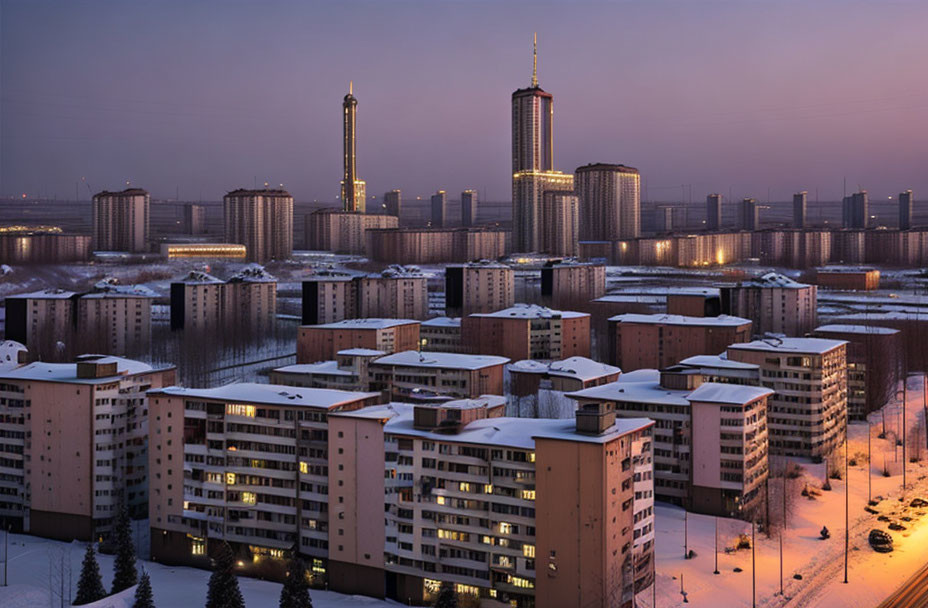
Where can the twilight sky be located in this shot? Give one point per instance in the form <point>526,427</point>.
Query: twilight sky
<point>208,96</point>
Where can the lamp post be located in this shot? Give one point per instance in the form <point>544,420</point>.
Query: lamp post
<point>847,493</point>
<point>753,564</point>
<point>716,571</point>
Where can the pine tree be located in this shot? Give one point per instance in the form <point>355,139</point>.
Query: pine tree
<point>447,597</point>
<point>124,572</point>
<point>90,585</point>
<point>295,593</point>
<point>223,585</point>
<point>143,595</point>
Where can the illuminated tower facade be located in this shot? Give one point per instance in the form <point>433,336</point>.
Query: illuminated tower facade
<point>354,190</point>
<point>533,163</point>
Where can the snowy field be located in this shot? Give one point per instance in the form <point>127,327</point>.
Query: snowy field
<point>35,581</point>
<point>871,576</point>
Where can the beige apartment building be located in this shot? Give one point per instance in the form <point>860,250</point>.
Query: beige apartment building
<point>262,221</point>
<point>478,287</point>
<point>480,501</point>
<point>775,304</point>
<point>527,331</point>
<point>247,302</point>
<point>441,335</point>
<point>73,446</point>
<point>121,220</point>
<point>246,464</point>
<point>436,245</point>
<point>414,376</point>
<point>344,231</point>
<point>657,341</point>
<point>322,342</point>
<point>528,377</point>
<point>807,415</point>
<point>710,439</point>
<point>572,286</point>
<point>610,202</point>
<point>397,292</point>
<point>350,371</point>
<point>561,228</point>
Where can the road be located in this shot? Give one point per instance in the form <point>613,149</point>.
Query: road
<point>912,594</point>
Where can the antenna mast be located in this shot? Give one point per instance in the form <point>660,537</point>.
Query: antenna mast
<point>535,60</point>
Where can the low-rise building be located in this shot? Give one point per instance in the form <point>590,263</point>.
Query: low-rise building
<point>572,286</point>
<point>478,287</point>
<point>847,277</point>
<point>775,303</point>
<point>527,331</point>
<point>73,444</point>
<point>710,440</point>
<point>529,376</point>
<point>658,341</point>
<point>441,335</point>
<point>203,251</point>
<point>247,464</point>
<point>694,302</point>
<point>348,372</point>
<point>428,376</point>
<point>807,415</point>
<point>322,342</point>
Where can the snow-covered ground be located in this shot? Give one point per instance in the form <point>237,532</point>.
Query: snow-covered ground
<point>35,581</point>
<point>871,576</point>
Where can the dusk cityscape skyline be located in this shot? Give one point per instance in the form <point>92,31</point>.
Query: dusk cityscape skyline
<point>683,107</point>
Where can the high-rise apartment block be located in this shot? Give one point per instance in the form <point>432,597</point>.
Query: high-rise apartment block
<point>527,331</point>
<point>774,303</point>
<point>323,342</point>
<point>905,210</point>
<point>749,215</point>
<point>561,226</point>
<point>121,220</point>
<point>610,202</point>
<point>478,287</point>
<point>246,464</point>
<point>855,210</point>
<point>469,208</point>
<point>74,444</point>
<point>572,286</point>
<point>393,203</point>
<point>397,292</point>
<point>439,209</point>
<point>800,200</point>
<point>807,415</point>
<point>353,190</point>
<point>262,221</point>
<point>343,231</point>
<point>194,219</point>
<point>714,212</point>
<point>658,340</point>
<point>245,303</point>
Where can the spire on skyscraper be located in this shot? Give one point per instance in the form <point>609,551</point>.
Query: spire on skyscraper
<point>535,60</point>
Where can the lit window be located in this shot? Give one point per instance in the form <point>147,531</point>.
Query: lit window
<point>440,500</point>
<point>488,488</point>
<point>238,409</point>
<point>528,494</point>
<point>531,456</point>
<point>528,551</point>
<point>464,486</point>
<point>249,498</point>
<point>304,467</point>
<point>505,528</point>
<point>198,546</point>
<point>230,479</point>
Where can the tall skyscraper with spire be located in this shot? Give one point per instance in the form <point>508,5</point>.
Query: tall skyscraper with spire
<point>354,190</point>
<point>533,162</point>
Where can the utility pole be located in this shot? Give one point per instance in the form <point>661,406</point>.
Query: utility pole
<point>869,463</point>
<point>716,571</point>
<point>753,563</point>
<point>782,530</point>
<point>847,493</point>
<point>686,549</point>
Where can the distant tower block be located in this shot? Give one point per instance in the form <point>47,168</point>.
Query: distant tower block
<point>468,207</point>
<point>800,200</point>
<point>714,212</point>
<point>353,190</point>
<point>905,210</point>
<point>392,202</point>
<point>439,204</point>
<point>749,214</point>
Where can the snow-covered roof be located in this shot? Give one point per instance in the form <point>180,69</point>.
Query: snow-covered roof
<point>845,269</point>
<point>815,346</point>
<point>715,392</point>
<point>667,319</point>
<point>328,368</point>
<point>413,358</point>
<point>364,324</point>
<point>200,277</point>
<point>67,372</point>
<point>361,352</point>
<point>45,294</point>
<point>580,368</point>
<point>717,361</point>
<point>398,271</point>
<point>531,311</point>
<point>773,279</point>
<point>442,322</point>
<point>631,298</point>
<point>269,394</point>
<point>855,329</point>
<point>9,354</point>
<point>480,264</point>
<point>111,287</point>
<point>641,392</point>
<point>254,273</point>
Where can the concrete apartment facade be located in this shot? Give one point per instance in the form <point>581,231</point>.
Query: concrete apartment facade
<point>322,342</point>
<point>350,371</point>
<point>247,464</point>
<point>774,303</point>
<point>478,287</point>
<point>529,376</point>
<point>527,332</point>
<point>121,220</point>
<point>436,245</point>
<point>807,415</point>
<point>343,231</point>
<point>86,452</point>
<point>397,292</point>
<point>441,335</point>
<point>657,341</point>
<point>610,202</point>
<point>262,221</point>
<point>572,286</point>
<point>853,279</point>
<point>414,376</point>
<point>247,301</point>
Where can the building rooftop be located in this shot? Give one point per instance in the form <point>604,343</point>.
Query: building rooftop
<point>443,322</point>
<point>412,358</point>
<point>67,372</point>
<point>45,294</point>
<point>667,319</point>
<point>328,368</point>
<point>839,328</point>
<point>648,391</point>
<point>264,192</point>
<point>269,394</point>
<point>361,352</point>
<point>845,269</point>
<point>198,277</point>
<point>126,192</point>
<point>398,271</point>
<point>479,264</point>
<point>607,167</point>
<point>632,299</point>
<point>814,346</point>
<point>715,392</point>
<point>580,368</point>
<point>9,354</point>
<point>773,279</point>
<point>111,287</point>
<point>253,273</point>
<point>531,311</point>
<point>363,324</point>
<point>717,361</point>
